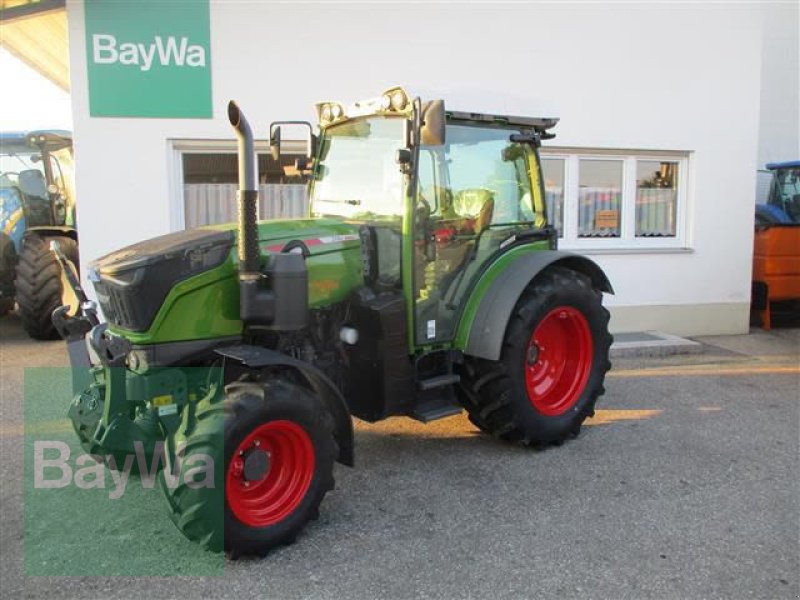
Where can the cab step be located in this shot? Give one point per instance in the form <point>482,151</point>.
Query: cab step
<point>430,411</point>
<point>438,381</point>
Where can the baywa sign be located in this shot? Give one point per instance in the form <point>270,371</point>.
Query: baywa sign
<point>166,51</point>
<point>148,58</point>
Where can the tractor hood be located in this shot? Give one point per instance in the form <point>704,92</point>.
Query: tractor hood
<point>313,236</point>
<point>132,283</point>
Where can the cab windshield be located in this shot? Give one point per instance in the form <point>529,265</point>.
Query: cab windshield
<point>12,164</point>
<point>784,195</point>
<point>358,176</point>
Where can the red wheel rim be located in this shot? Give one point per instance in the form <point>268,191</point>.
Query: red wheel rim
<point>277,491</point>
<point>558,360</point>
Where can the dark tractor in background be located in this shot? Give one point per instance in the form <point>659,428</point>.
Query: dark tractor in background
<point>424,282</point>
<point>37,206</point>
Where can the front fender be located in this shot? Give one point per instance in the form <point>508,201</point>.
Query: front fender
<point>482,336</point>
<point>53,230</point>
<point>256,357</point>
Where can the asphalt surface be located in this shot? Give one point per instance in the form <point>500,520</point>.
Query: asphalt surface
<point>685,485</point>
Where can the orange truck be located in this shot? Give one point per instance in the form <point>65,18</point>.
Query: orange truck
<point>776,252</point>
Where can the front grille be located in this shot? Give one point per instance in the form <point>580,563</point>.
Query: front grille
<point>132,283</point>
<point>120,307</point>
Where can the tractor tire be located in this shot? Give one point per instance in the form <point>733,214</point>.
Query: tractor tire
<point>40,287</point>
<point>6,306</point>
<point>552,366</point>
<point>8,263</point>
<point>273,449</point>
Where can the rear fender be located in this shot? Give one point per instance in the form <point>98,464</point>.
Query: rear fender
<point>255,357</point>
<point>488,327</point>
<point>53,231</point>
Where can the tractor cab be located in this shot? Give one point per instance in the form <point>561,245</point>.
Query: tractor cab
<point>462,185</point>
<point>783,202</point>
<point>36,182</point>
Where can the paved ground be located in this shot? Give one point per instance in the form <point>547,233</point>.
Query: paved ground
<point>684,486</point>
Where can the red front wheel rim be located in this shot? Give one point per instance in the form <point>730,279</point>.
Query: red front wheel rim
<point>558,360</point>
<point>268,493</point>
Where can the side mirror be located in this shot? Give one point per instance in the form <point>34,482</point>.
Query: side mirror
<point>275,142</point>
<point>432,131</point>
<point>275,138</point>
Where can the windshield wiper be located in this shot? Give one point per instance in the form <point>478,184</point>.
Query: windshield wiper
<point>350,202</point>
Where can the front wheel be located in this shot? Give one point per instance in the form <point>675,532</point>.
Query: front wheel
<point>273,449</point>
<point>552,366</point>
<point>41,285</point>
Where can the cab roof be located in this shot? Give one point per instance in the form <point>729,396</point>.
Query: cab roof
<point>540,124</point>
<point>789,164</point>
<point>27,141</point>
<point>332,112</point>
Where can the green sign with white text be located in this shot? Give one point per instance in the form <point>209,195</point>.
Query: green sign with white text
<point>148,58</point>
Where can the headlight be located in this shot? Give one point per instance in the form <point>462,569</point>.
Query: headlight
<point>329,112</point>
<point>399,100</point>
<point>325,113</point>
<point>394,100</point>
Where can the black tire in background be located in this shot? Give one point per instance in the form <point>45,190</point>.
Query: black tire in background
<point>8,263</point>
<point>6,306</point>
<point>222,429</point>
<point>40,287</point>
<point>541,395</point>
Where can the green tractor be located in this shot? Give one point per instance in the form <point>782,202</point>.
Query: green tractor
<point>425,281</point>
<point>37,205</point>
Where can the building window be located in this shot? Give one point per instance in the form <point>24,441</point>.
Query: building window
<point>553,175</point>
<point>656,198</point>
<point>605,199</point>
<point>208,181</point>
<point>599,197</point>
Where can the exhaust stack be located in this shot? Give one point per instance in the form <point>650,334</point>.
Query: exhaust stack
<point>278,297</point>
<point>247,195</point>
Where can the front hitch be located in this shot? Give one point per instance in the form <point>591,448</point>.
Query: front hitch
<point>83,327</point>
<point>73,327</point>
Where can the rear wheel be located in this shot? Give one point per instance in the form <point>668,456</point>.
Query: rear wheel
<point>8,262</point>
<point>552,366</point>
<point>40,284</point>
<point>273,449</point>
<point>6,305</point>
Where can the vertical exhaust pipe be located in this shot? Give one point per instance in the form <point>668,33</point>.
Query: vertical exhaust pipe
<point>247,195</point>
<point>281,302</point>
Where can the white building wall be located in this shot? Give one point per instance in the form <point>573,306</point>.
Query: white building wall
<point>663,77</point>
<point>779,131</point>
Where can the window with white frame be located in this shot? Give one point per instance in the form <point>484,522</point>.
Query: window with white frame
<point>601,199</point>
<point>205,175</point>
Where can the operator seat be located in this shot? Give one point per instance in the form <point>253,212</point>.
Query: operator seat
<point>32,183</point>
<point>476,204</point>
<point>33,186</point>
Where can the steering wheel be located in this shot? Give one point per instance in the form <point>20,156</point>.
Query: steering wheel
<point>7,173</point>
